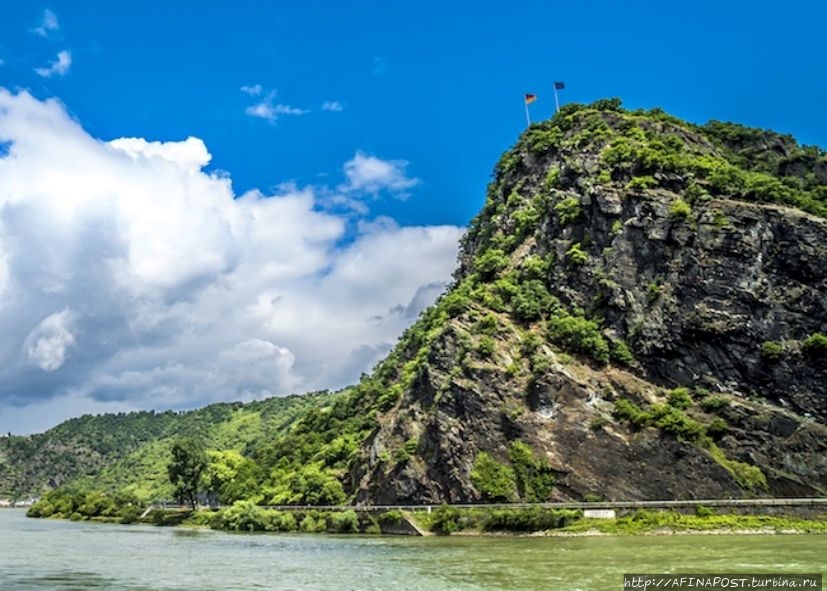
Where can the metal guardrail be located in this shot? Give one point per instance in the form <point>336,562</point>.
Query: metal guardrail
<point>775,502</point>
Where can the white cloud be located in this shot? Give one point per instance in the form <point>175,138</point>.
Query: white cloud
<point>130,278</point>
<point>266,109</point>
<point>60,66</point>
<point>270,112</point>
<point>49,23</point>
<point>370,174</point>
<point>253,90</point>
<point>48,345</point>
<point>334,106</point>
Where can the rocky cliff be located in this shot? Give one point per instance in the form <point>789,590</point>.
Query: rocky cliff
<point>639,313</point>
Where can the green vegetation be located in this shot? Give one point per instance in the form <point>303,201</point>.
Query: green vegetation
<point>673,420</point>
<point>576,256</point>
<point>772,351</point>
<point>815,345</point>
<point>446,520</point>
<point>130,452</point>
<point>578,334</point>
<point>679,209</point>
<point>495,481</point>
<point>679,398</point>
<point>189,461</point>
<point>569,210</point>
<point>532,475</point>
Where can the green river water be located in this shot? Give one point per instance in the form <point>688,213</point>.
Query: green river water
<point>61,555</point>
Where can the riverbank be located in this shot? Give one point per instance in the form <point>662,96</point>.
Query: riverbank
<point>446,520</point>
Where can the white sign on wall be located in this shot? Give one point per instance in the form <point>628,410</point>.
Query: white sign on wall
<point>599,513</point>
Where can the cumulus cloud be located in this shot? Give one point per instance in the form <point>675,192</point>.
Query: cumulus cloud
<point>334,106</point>
<point>47,24</point>
<point>132,278</point>
<point>60,66</point>
<point>369,174</point>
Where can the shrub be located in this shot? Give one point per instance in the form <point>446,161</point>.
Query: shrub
<point>717,427</point>
<point>629,411</point>
<point>680,398</point>
<point>576,333</point>
<point>490,263</point>
<point>494,481</point>
<point>445,520</point>
<point>344,522</point>
<point>487,325</point>
<point>576,256</point>
<point>640,183</point>
<point>533,476</point>
<point>568,210</point>
<point>704,511</point>
<point>715,402</point>
<point>815,345</point>
<point>772,351</point>
<point>486,347</point>
<point>680,209</point>
<point>620,353</point>
<point>531,519</point>
<point>311,524</point>
<point>531,301</point>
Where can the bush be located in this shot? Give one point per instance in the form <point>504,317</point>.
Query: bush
<point>620,353</point>
<point>494,481</point>
<point>772,351</point>
<point>815,345</point>
<point>715,402</point>
<point>576,333</point>
<point>490,263</point>
<point>445,520</point>
<point>531,301</point>
<point>486,347</point>
<point>680,398</point>
<point>679,209</point>
<point>311,524</point>
<point>533,476</point>
<point>344,522</point>
<point>704,511</point>
<point>532,519</point>
<point>568,210</point>
<point>576,256</point>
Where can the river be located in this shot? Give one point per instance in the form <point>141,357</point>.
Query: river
<point>40,554</point>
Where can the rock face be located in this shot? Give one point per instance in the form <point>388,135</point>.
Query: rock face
<point>641,304</point>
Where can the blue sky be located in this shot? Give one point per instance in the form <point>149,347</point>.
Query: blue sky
<point>383,118</point>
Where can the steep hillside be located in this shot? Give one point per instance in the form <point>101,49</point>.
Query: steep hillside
<point>639,313</point>
<point>131,450</point>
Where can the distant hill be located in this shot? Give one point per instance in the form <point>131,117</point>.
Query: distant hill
<point>131,450</point>
<point>639,312</point>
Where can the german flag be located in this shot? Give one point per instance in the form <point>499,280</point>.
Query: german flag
<point>530,98</point>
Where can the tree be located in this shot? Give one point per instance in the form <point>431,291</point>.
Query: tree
<point>189,460</point>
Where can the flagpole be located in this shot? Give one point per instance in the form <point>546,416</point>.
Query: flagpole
<point>556,100</point>
<point>527,117</point>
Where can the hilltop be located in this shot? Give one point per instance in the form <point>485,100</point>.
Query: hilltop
<point>639,312</point>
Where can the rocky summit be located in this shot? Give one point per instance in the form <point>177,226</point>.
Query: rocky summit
<point>639,313</point>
